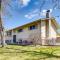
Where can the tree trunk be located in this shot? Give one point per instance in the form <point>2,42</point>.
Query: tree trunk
<point>2,39</point>
<point>2,32</point>
<point>1,29</point>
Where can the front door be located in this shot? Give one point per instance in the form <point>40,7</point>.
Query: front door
<point>14,38</point>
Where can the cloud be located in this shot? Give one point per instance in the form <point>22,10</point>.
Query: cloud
<point>43,13</point>
<point>36,12</point>
<point>32,14</point>
<point>50,10</point>
<point>25,2</point>
<point>27,16</point>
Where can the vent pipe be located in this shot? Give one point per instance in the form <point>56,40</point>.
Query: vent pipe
<point>47,13</point>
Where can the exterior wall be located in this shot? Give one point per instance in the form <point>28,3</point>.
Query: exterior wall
<point>44,34</point>
<point>10,38</point>
<point>37,36</point>
<point>30,35</point>
<point>51,33</point>
<point>43,31</point>
<point>58,40</point>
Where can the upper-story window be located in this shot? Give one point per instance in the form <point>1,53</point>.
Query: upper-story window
<point>9,33</point>
<point>32,27</point>
<point>20,30</point>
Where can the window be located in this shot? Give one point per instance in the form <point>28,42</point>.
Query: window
<point>20,30</point>
<point>9,33</point>
<point>32,27</point>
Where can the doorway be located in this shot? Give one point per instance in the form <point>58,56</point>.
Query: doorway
<point>14,38</point>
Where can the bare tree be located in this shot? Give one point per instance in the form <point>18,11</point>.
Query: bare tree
<point>1,29</point>
<point>2,33</point>
<point>3,5</point>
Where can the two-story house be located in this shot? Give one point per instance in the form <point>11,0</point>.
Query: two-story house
<point>42,31</point>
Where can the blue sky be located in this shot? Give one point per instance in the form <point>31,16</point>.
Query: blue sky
<point>27,11</point>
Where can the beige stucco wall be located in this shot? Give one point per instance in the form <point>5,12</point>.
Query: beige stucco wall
<point>9,38</point>
<point>43,31</point>
<point>39,35</point>
<point>51,33</point>
<point>30,35</point>
<point>58,41</point>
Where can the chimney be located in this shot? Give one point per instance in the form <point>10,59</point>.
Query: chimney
<point>47,13</point>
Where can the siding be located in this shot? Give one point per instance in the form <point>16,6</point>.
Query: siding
<point>30,35</point>
<point>39,35</point>
<point>50,34</point>
<point>43,32</point>
<point>58,41</point>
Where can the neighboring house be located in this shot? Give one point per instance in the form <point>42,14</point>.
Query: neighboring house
<point>42,32</point>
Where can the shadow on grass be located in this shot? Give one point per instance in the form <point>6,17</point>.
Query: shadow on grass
<point>37,54</point>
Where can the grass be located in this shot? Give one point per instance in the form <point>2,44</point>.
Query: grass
<point>14,52</point>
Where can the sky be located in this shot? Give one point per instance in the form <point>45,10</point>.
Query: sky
<point>26,11</point>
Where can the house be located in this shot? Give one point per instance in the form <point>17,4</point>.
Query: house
<point>42,32</point>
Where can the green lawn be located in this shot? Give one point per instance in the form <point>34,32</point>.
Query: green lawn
<point>13,52</point>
